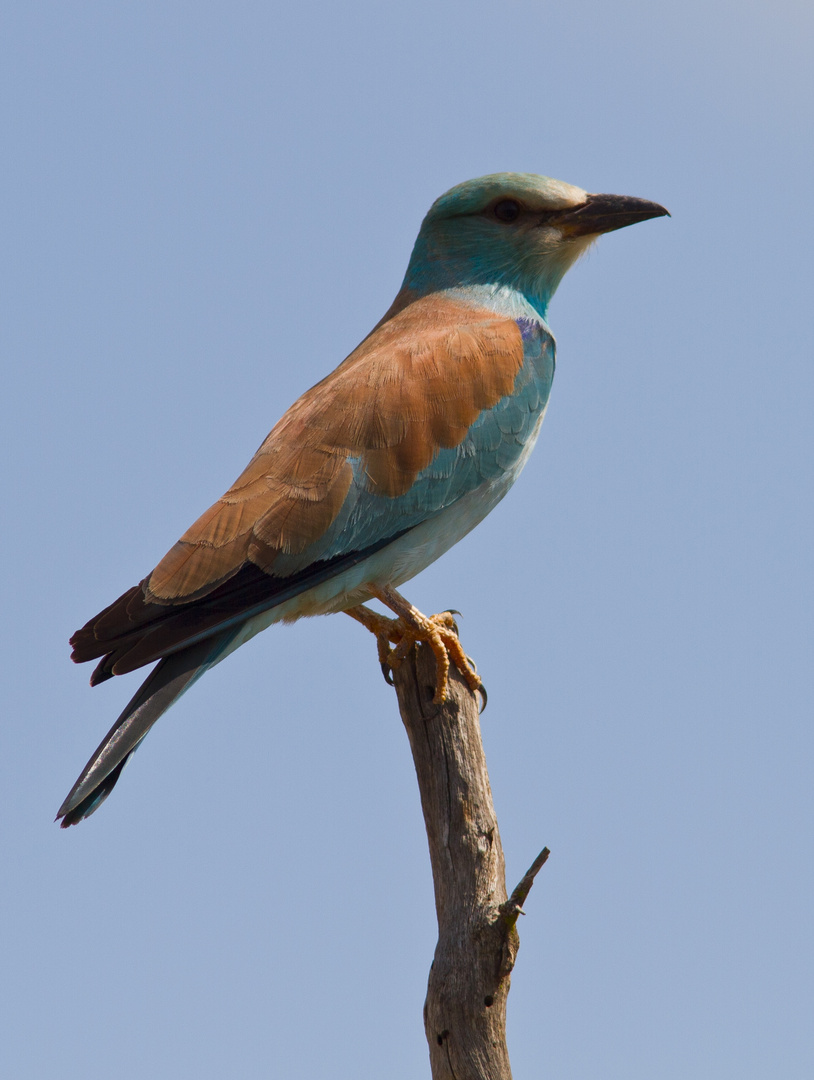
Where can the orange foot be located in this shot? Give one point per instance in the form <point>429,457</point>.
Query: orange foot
<point>438,631</point>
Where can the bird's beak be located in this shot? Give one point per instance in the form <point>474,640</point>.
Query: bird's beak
<point>604,213</point>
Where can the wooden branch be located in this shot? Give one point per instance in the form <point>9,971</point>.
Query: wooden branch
<point>514,905</point>
<point>465,1009</point>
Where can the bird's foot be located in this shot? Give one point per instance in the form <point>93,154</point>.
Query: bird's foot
<point>385,631</point>
<point>440,632</point>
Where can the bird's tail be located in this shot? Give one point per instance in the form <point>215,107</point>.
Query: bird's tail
<point>162,688</point>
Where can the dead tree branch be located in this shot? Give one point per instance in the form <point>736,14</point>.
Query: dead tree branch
<point>465,1009</point>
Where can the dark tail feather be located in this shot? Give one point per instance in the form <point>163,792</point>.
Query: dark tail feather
<point>163,686</point>
<point>93,801</point>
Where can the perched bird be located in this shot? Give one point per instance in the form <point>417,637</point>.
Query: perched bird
<point>374,472</point>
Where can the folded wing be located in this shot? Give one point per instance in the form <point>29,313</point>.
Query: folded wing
<point>335,480</point>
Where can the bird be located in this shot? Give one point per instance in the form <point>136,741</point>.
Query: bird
<point>373,473</point>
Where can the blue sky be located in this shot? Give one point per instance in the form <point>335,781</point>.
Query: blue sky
<point>206,207</point>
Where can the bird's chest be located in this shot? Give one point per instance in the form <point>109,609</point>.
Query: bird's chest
<point>507,433</point>
<point>539,357</point>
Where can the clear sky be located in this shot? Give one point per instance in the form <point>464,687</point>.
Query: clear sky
<point>205,207</point>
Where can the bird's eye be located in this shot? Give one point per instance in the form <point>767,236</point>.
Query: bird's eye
<point>506,210</point>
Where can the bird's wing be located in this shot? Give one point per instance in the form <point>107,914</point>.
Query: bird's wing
<point>423,411</point>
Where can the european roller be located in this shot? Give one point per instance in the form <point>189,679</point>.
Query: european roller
<point>374,472</point>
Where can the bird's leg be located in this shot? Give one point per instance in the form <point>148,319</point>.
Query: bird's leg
<point>385,630</point>
<point>438,631</point>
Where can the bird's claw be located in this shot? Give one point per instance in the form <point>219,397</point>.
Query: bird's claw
<point>484,699</point>
<point>439,632</point>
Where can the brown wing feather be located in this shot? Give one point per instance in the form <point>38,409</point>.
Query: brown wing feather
<point>415,385</point>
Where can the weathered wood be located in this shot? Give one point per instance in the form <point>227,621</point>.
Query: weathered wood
<point>465,1009</point>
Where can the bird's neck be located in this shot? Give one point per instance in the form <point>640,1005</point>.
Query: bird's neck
<point>501,299</point>
<point>497,273</point>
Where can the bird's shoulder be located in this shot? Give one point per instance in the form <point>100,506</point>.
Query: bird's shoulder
<point>413,387</point>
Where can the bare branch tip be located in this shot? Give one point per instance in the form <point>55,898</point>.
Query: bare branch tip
<point>514,905</point>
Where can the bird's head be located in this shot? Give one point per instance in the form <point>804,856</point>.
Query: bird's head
<point>514,229</point>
